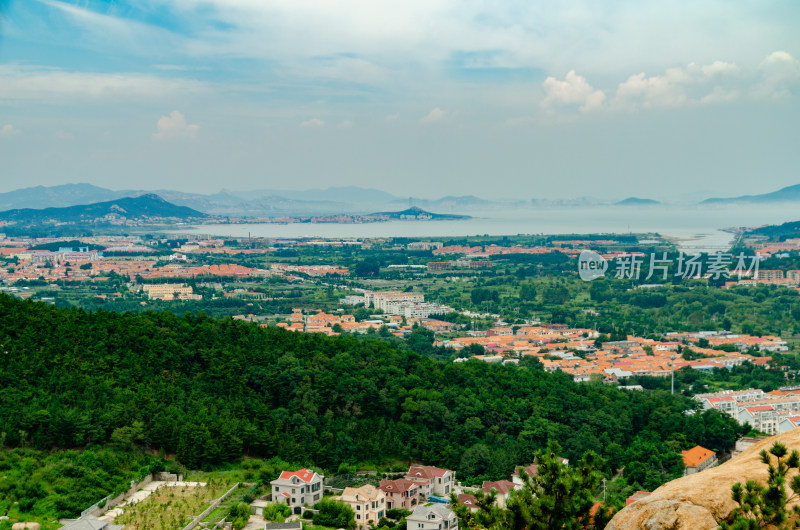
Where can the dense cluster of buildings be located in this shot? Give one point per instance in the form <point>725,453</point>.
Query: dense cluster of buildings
<point>304,489</point>
<point>772,412</point>
<point>334,324</point>
<point>575,351</point>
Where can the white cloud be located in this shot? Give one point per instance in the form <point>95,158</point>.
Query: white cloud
<point>64,135</point>
<point>346,124</point>
<point>779,57</point>
<point>574,90</point>
<point>780,76</point>
<point>693,84</point>
<point>43,83</point>
<point>391,117</point>
<point>313,123</point>
<point>654,91</point>
<point>8,130</point>
<point>721,95</point>
<point>434,116</point>
<point>719,67</point>
<point>174,127</point>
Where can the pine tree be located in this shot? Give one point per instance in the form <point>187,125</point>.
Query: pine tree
<point>763,506</point>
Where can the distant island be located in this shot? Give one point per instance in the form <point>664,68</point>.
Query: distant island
<point>416,214</point>
<point>636,201</point>
<point>787,194</point>
<point>410,214</point>
<point>147,209</point>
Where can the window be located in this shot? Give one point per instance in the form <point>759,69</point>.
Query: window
<point>277,488</point>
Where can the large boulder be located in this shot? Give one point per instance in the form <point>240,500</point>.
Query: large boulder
<point>700,501</point>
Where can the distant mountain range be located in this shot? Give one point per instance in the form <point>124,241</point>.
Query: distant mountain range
<point>787,194</point>
<point>347,200</point>
<point>148,208</point>
<point>778,232</point>
<point>636,201</point>
<point>56,196</point>
<point>253,203</point>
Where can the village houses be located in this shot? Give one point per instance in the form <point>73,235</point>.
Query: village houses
<point>368,504</point>
<point>297,488</point>
<point>432,480</point>
<point>432,517</point>
<point>400,493</point>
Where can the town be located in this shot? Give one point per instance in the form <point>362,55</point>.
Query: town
<point>516,302</point>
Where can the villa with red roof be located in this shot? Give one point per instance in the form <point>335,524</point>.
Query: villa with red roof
<point>432,480</point>
<point>400,493</point>
<point>501,487</point>
<point>297,488</point>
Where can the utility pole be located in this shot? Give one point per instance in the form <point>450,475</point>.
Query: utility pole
<point>672,373</point>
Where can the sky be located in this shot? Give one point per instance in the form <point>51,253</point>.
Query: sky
<point>671,100</point>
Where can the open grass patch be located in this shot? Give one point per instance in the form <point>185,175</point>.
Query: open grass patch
<point>169,508</point>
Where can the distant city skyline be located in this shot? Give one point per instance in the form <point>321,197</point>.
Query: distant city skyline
<point>521,99</point>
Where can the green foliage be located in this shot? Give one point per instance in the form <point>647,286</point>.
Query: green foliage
<point>367,267</point>
<point>335,514</point>
<point>481,295</point>
<point>277,512</point>
<point>527,292</point>
<point>397,513</point>
<point>61,484</point>
<point>765,506</point>
<point>239,514</point>
<point>558,496</point>
<point>210,390</point>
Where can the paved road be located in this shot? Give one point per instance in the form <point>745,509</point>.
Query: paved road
<point>256,522</point>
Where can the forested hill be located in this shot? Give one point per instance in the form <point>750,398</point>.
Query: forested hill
<point>143,207</point>
<point>210,390</point>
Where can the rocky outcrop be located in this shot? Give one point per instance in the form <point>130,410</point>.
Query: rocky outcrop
<point>700,501</point>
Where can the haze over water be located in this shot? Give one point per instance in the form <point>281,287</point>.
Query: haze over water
<point>695,228</point>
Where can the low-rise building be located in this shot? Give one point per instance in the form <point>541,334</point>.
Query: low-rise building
<point>432,480</point>
<point>698,459</point>
<point>297,488</point>
<point>400,493</point>
<point>368,504</point>
<point>501,487</point>
<point>170,291</point>
<point>433,516</point>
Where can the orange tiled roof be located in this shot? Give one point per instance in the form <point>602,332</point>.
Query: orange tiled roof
<point>696,456</point>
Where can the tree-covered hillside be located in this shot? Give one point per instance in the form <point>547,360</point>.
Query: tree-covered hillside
<point>210,390</point>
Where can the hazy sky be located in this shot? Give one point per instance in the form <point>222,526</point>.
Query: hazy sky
<point>529,98</point>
